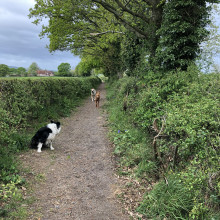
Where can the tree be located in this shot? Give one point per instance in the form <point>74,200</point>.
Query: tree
<point>74,25</point>
<point>171,30</point>
<point>133,51</point>
<point>22,71</point>
<point>12,71</point>
<point>86,65</point>
<point>83,69</point>
<point>104,56</point>
<point>182,31</point>
<point>32,70</point>
<point>4,70</point>
<point>64,69</point>
<point>211,46</point>
<point>110,59</point>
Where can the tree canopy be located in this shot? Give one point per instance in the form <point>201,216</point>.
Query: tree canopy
<point>168,32</point>
<point>4,70</point>
<point>22,71</point>
<point>64,69</point>
<point>32,70</point>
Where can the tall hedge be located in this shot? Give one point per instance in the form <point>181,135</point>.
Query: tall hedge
<point>29,102</point>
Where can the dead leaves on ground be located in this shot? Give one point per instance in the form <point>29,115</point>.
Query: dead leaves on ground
<point>131,193</point>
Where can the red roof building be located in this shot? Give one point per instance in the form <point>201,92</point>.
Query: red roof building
<point>45,73</point>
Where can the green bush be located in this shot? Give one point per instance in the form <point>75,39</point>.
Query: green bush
<point>25,101</point>
<point>188,104</point>
<point>131,145</point>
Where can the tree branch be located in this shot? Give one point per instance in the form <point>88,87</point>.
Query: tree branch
<point>124,8</point>
<point>127,24</point>
<point>106,32</point>
<point>156,153</point>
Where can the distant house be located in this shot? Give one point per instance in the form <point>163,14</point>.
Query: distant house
<point>45,73</point>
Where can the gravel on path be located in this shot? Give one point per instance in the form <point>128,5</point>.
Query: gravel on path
<point>77,178</point>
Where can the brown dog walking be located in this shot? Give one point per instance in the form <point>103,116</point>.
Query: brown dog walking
<point>97,99</point>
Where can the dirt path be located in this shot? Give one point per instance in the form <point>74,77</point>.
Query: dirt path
<point>78,180</point>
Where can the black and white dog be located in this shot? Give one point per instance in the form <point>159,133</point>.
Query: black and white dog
<point>45,136</point>
<point>93,93</point>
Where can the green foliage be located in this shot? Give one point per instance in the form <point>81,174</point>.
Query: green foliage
<point>22,71</point>
<point>4,70</point>
<point>11,197</point>
<point>12,71</point>
<point>64,69</point>
<point>85,67</point>
<point>105,57</point>
<point>32,70</point>
<point>171,200</point>
<point>131,145</point>
<point>92,19</point>
<point>98,28</point>
<point>126,36</point>
<point>110,59</point>
<point>188,152</point>
<point>182,30</point>
<point>133,52</point>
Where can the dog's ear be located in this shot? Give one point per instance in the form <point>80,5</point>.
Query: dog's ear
<point>52,121</point>
<point>58,124</point>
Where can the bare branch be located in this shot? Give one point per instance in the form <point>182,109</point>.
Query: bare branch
<point>127,3</point>
<point>106,32</point>
<point>211,177</point>
<point>167,183</point>
<point>127,24</point>
<point>155,127</point>
<point>124,8</point>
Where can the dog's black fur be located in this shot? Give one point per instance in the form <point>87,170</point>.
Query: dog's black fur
<point>45,135</point>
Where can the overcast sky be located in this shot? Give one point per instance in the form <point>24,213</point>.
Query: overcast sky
<point>20,44</point>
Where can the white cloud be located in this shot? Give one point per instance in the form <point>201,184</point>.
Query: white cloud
<point>20,44</point>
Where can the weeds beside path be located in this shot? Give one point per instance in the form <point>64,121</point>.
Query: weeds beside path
<point>77,178</point>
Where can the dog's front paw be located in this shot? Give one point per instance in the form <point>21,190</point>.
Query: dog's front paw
<point>39,151</point>
<point>51,148</point>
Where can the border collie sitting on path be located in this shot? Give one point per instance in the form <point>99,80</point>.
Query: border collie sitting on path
<point>45,136</point>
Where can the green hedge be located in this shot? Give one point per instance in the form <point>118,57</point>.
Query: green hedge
<point>28,99</point>
<point>28,102</point>
<point>25,105</point>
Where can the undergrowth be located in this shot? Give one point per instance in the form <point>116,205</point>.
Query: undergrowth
<point>166,129</point>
